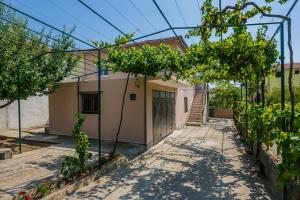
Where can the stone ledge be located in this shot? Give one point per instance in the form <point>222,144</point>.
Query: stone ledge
<point>270,162</point>
<point>86,180</point>
<point>5,153</point>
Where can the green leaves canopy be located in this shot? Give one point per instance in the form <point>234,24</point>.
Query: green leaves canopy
<point>18,47</point>
<point>144,59</point>
<point>238,57</point>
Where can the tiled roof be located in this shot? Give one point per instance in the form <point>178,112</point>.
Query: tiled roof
<point>287,66</point>
<point>295,66</point>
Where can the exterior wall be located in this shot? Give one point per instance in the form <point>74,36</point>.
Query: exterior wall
<point>274,81</point>
<point>63,106</point>
<point>180,118</point>
<point>34,113</point>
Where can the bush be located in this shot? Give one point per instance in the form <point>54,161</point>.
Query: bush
<point>264,126</point>
<point>73,165</point>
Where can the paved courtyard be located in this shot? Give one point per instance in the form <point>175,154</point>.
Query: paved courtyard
<point>207,162</point>
<point>29,169</point>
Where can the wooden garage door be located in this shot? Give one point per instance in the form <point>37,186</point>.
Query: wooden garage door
<point>163,114</point>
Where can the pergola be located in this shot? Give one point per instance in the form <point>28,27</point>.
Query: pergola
<point>174,29</point>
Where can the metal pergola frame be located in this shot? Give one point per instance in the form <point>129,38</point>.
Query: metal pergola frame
<point>134,40</point>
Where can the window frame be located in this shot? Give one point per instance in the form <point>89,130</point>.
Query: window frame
<point>82,102</point>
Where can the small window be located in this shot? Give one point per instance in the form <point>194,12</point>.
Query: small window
<point>297,71</point>
<point>90,103</point>
<point>278,74</point>
<point>104,72</point>
<point>185,104</point>
<point>132,97</point>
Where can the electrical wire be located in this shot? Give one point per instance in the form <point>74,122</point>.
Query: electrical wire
<point>47,17</point>
<point>46,36</point>
<point>144,16</point>
<point>48,25</point>
<point>50,46</point>
<point>199,7</point>
<point>181,15</point>
<point>123,16</point>
<point>81,22</point>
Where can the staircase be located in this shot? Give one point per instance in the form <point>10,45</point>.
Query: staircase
<point>196,113</point>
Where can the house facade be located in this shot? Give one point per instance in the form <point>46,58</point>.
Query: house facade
<point>274,80</point>
<point>153,108</point>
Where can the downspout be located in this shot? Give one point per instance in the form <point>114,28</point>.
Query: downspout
<point>145,110</point>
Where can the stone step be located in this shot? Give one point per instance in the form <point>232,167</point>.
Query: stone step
<point>194,120</point>
<point>5,153</point>
<point>195,115</point>
<point>193,124</point>
<point>196,112</point>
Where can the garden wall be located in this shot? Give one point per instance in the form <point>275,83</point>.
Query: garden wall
<point>34,113</point>
<point>221,113</point>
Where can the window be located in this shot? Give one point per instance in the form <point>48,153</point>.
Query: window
<point>90,103</point>
<point>132,97</point>
<point>297,71</point>
<point>185,104</point>
<point>104,72</point>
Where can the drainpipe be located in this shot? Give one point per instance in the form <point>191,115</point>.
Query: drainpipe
<point>78,90</point>
<point>99,110</point>
<point>282,72</point>
<point>145,110</point>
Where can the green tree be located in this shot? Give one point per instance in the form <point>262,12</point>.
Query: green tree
<point>27,61</point>
<point>224,95</point>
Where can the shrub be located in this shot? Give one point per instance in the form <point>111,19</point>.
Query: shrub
<point>72,165</point>
<point>43,189</point>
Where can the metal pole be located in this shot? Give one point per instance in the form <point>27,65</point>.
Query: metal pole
<point>99,110</point>
<point>246,113</point>
<point>19,110</point>
<point>145,111</point>
<point>78,90</point>
<point>241,92</point>
<point>282,72</point>
<point>220,9</point>
<point>257,90</point>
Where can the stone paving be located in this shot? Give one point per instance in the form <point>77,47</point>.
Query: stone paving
<point>26,170</point>
<point>207,162</point>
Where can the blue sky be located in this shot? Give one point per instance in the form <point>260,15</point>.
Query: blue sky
<point>139,16</point>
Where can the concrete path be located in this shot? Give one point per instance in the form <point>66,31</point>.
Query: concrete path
<point>26,170</point>
<point>205,162</point>
<point>130,150</point>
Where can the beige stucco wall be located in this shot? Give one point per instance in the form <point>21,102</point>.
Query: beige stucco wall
<point>180,115</point>
<point>63,106</point>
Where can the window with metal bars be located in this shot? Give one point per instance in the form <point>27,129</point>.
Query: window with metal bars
<point>90,103</point>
